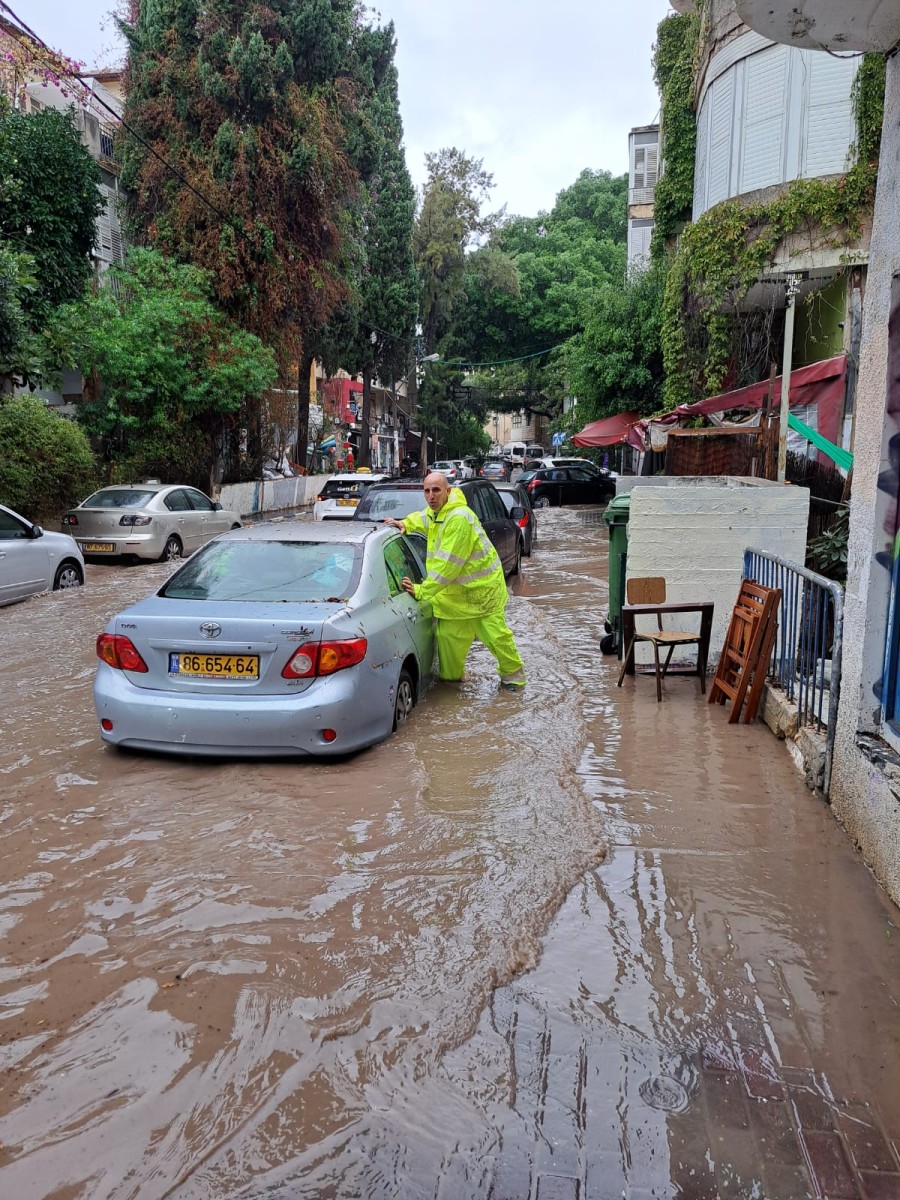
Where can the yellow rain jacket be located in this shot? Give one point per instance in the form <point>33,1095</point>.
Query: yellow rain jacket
<point>465,576</point>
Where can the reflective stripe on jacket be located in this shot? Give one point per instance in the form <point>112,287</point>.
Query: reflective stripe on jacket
<point>465,575</point>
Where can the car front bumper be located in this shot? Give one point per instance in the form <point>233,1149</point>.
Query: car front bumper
<point>358,707</point>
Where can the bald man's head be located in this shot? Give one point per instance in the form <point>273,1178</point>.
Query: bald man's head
<point>437,490</point>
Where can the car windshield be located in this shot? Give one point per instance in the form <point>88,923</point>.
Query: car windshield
<point>391,502</point>
<point>119,498</point>
<point>271,571</point>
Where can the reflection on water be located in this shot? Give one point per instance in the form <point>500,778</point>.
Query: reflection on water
<point>214,971</point>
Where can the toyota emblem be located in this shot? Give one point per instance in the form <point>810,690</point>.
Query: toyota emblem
<point>210,629</point>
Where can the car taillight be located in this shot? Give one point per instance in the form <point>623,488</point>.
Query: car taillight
<point>70,519</point>
<point>120,652</point>
<point>523,522</point>
<point>324,658</point>
<point>532,484</point>
<point>320,496</point>
<point>134,519</point>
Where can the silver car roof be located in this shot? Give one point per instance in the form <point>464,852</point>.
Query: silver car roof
<point>321,531</point>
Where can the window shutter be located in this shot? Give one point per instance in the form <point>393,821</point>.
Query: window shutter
<point>651,166</point>
<point>701,161</point>
<point>764,118</point>
<point>829,126</point>
<point>639,167</point>
<point>721,127</point>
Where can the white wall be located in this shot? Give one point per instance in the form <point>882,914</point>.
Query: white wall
<point>271,495</point>
<point>694,533</point>
<point>865,779</point>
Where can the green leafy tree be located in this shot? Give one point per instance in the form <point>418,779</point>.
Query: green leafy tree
<point>616,363</point>
<point>173,380</point>
<point>48,204</point>
<point>562,261</point>
<point>46,463</point>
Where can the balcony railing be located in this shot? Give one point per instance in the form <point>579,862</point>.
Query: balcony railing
<point>642,195</point>
<point>806,661</point>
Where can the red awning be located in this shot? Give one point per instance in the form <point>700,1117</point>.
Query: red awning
<point>606,432</point>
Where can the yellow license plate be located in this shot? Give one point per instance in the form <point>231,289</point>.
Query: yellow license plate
<point>351,503</point>
<point>215,666</point>
<point>98,547</point>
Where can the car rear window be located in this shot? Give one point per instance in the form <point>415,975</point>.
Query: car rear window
<point>271,571</point>
<point>119,498</point>
<point>342,488</point>
<point>392,502</point>
<point>526,475</point>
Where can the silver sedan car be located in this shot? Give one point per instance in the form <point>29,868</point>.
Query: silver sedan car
<point>34,560</point>
<point>146,521</point>
<point>273,640</point>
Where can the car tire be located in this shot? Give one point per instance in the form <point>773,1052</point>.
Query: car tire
<point>541,502</point>
<point>404,698</point>
<point>236,526</point>
<point>172,549</point>
<point>68,575</point>
<point>517,565</point>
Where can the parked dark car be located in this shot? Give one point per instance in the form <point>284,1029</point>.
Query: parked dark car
<point>566,485</point>
<point>398,498</point>
<point>513,496</point>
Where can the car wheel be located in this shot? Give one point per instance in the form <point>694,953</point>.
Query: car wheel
<point>171,550</point>
<point>405,700</point>
<point>517,565</point>
<point>541,502</point>
<point>235,526</point>
<point>68,575</point>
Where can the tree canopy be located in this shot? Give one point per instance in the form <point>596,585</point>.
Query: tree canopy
<point>172,375</point>
<point>248,104</point>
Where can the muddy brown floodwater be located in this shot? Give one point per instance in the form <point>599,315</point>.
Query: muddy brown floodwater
<point>571,944</point>
<point>212,971</point>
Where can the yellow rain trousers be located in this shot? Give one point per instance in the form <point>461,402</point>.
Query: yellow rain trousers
<point>465,588</point>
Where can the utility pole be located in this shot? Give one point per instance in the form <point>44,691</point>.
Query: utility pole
<point>793,290</point>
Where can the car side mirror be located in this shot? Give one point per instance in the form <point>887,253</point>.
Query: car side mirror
<point>217,507</point>
<point>517,512</point>
<point>36,531</point>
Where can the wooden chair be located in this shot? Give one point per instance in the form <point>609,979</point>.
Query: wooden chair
<point>652,590</point>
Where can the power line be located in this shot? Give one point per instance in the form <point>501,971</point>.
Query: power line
<point>112,112</point>
<point>499,362</point>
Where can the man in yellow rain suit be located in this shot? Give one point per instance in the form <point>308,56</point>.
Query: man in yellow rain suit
<point>464,584</point>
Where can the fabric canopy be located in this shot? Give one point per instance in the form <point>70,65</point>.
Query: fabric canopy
<point>606,432</point>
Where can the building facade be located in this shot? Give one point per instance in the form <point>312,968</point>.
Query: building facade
<point>643,172</point>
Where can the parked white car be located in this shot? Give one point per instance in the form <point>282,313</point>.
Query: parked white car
<point>341,494</point>
<point>466,469</point>
<point>34,560</point>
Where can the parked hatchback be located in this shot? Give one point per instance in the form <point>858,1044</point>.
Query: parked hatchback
<point>150,520</point>
<point>273,640</point>
<point>35,560</point>
<point>495,468</point>
<point>566,485</point>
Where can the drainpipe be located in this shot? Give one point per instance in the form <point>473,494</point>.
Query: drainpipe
<point>793,289</point>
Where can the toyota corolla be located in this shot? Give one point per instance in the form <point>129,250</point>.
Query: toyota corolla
<point>272,640</point>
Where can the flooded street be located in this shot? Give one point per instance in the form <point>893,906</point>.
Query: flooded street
<point>568,944</point>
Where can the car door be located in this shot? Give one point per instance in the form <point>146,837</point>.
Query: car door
<point>497,525</point>
<point>182,519</point>
<point>579,487</point>
<point>402,560</point>
<point>24,561</point>
<point>212,521</point>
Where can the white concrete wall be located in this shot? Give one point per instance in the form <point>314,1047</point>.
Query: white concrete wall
<point>865,786</point>
<point>694,533</point>
<point>271,495</point>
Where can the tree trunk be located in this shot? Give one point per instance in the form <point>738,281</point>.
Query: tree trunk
<point>365,440</point>
<point>303,398</point>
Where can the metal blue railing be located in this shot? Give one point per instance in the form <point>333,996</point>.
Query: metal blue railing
<point>806,660</point>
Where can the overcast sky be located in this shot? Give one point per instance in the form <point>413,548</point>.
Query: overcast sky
<point>538,89</point>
